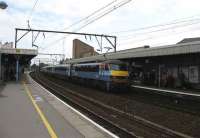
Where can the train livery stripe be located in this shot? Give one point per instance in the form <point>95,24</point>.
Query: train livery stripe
<point>119,73</point>
<point>42,116</point>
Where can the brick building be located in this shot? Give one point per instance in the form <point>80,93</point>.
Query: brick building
<point>81,49</point>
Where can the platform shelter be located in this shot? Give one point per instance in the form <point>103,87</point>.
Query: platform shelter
<point>13,62</point>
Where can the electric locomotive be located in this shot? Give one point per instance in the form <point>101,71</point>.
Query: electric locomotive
<point>108,74</point>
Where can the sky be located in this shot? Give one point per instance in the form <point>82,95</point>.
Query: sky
<point>136,23</point>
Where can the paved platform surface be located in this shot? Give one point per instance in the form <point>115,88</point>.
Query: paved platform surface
<point>17,115</point>
<point>29,111</point>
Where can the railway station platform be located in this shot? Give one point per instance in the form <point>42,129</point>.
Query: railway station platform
<point>27,110</point>
<point>188,94</point>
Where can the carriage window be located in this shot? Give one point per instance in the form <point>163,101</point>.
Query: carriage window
<point>119,67</point>
<point>60,69</point>
<point>123,67</point>
<point>87,68</point>
<point>115,67</point>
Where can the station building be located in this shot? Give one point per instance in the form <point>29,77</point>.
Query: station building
<point>171,66</point>
<point>13,61</point>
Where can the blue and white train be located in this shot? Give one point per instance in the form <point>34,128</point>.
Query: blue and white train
<point>108,74</point>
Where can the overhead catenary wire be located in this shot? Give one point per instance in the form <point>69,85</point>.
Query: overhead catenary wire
<point>167,27</point>
<point>97,17</point>
<point>137,34</point>
<point>103,14</point>
<point>178,24</point>
<point>181,20</point>
<point>93,13</point>
<point>160,36</point>
<point>90,15</point>
<point>139,43</point>
<point>32,10</point>
<point>155,37</point>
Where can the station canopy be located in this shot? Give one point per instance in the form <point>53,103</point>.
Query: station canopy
<point>24,55</point>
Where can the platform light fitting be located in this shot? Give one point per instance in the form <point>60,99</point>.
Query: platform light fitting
<point>3,5</point>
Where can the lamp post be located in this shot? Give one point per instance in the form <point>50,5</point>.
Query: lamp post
<point>3,5</point>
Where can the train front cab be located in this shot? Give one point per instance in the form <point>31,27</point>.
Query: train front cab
<point>118,75</point>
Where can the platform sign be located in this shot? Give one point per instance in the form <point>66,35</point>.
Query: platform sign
<point>18,51</point>
<point>37,98</point>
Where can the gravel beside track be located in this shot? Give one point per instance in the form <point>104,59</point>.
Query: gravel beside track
<point>184,122</point>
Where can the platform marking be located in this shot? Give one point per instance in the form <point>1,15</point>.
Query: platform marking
<point>37,98</point>
<point>42,116</point>
<point>76,111</point>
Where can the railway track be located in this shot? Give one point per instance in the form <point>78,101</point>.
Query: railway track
<point>119,122</point>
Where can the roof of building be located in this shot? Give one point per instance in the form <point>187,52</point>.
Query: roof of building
<point>24,55</point>
<point>187,40</point>
<point>18,51</point>
<point>175,49</point>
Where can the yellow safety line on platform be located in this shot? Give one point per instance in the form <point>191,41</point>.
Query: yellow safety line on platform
<point>45,121</point>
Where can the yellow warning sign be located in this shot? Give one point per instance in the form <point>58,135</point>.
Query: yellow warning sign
<point>18,51</point>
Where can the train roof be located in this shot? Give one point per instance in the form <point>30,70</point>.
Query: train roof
<point>86,64</point>
<point>60,65</point>
<point>114,62</point>
<point>47,67</point>
<point>97,63</point>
